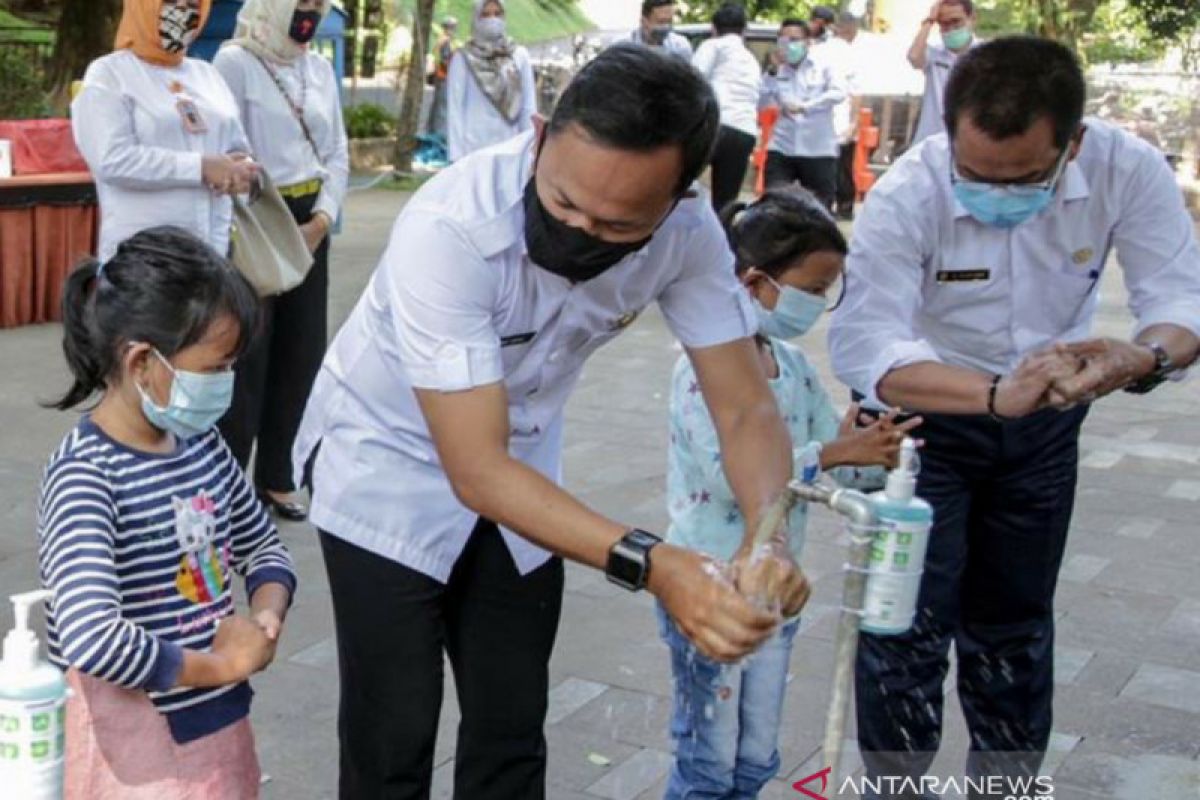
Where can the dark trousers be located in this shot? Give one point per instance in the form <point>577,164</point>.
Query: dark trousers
<point>393,626</point>
<point>1002,495</point>
<point>818,175</point>
<point>846,191</point>
<point>730,160</point>
<point>275,377</point>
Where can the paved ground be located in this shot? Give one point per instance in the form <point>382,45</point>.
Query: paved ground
<point>1128,703</point>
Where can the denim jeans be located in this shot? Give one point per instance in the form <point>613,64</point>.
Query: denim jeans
<point>725,720</point>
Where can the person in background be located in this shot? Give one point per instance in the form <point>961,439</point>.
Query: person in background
<point>804,145</point>
<point>443,53</point>
<point>725,720</point>
<point>971,287</point>
<point>657,29</point>
<point>732,70</point>
<point>820,24</point>
<point>844,51</point>
<point>292,112</point>
<point>955,20</point>
<point>160,131</point>
<point>491,95</point>
<point>143,520</point>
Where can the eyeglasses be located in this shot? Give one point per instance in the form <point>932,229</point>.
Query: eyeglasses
<point>1016,187</point>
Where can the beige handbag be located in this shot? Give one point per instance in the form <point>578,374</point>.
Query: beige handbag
<point>268,247</point>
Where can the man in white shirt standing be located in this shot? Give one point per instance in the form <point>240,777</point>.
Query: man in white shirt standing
<point>844,51</point>
<point>733,71</point>
<point>971,287</point>
<point>955,20</point>
<point>437,425</point>
<point>657,29</point>
<point>806,89</point>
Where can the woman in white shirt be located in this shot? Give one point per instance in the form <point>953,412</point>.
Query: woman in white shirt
<point>290,106</point>
<point>734,74</point>
<point>491,94</point>
<point>160,131</point>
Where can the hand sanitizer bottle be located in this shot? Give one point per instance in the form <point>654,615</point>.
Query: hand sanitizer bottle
<point>898,553</point>
<point>33,697</point>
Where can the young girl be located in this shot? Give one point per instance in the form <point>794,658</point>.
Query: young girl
<point>725,723</point>
<point>144,515</point>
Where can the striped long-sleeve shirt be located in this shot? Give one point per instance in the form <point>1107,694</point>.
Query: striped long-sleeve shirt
<point>139,549</point>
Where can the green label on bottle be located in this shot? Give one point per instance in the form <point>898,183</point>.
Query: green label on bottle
<point>41,751</point>
<point>9,752</point>
<point>41,723</point>
<point>10,724</point>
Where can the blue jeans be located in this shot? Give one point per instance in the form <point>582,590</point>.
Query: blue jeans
<point>725,720</point>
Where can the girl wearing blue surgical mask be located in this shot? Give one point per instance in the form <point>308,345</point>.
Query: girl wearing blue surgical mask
<point>789,253</point>
<point>145,517</point>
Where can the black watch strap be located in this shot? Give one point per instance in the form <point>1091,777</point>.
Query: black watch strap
<point>629,560</point>
<point>1163,367</point>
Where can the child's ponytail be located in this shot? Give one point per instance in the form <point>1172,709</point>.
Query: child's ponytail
<point>86,362</point>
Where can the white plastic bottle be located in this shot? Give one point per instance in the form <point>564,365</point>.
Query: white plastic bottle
<point>33,696</point>
<point>898,553</point>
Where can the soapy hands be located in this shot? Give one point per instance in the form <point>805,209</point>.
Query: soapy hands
<point>1066,375</point>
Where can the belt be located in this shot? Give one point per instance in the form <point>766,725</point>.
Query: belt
<point>298,190</point>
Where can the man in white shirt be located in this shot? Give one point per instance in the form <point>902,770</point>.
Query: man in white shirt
<point>438,418</point>
<point>971,286</point>
<point>844,51</point>
<point>955,20</point>
<point>733,71</point>
<point>657,29</point>
<point>806,89</point>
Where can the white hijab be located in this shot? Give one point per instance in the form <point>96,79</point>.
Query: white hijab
<point>262,28</point>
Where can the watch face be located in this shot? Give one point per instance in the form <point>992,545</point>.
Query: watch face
<point>625,571</point>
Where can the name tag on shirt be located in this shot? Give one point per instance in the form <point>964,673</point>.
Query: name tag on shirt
<point>517,339</point>
<point>964,275</point>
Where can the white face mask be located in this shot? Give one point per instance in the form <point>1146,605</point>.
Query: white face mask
<point>491,29</point>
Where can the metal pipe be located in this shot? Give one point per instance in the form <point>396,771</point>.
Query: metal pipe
<point>859,509</point>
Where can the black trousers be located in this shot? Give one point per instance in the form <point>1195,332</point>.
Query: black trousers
<point>730,160</point>
<point>393,626</point>
<point>818,175</point>
<point>846,191</point>
<point>1002,495</point>
<point>275,377</point>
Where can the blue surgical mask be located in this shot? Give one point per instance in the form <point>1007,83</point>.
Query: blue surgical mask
<point>796,52</point>
<point>958,38</point>
<point>794,314</point>
<point>1006,205</point>
<point>198,400</point>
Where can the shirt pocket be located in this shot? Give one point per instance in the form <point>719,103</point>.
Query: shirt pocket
<point>1064,290</point>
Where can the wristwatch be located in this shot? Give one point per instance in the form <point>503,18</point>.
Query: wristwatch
<point>629,560</point>
<point>1163,367</point>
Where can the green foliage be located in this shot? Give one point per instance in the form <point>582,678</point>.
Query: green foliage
<point>368,121</point>
<point>21,92</point>
<point>1168,19</point>
<point>757,10</point>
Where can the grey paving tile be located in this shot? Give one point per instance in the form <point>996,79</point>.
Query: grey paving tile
<point>1082,567</point>
<point>1184,620</point>
<point>570,696</point>
<point>1069,662</point>
<point>1165,686</point>
<point>633,776</point>
<point>1140,528</point>
<point>1184,490</point>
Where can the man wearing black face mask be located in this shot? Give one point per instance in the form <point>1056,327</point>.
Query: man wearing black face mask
<point>656,29</point>
<point>438,415</point>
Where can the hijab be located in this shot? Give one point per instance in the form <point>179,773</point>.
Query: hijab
<point>262,28</point>
<point>139,31</point>
<point>491,62</point>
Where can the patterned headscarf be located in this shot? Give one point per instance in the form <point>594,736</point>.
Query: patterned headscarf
<point>139,32</point>
<point>491,62</point>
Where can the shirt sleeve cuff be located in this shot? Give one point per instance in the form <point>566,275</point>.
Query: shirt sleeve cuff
<point>167,667</point>
<point>190,168</point>
<point>895,356</point>
<point>1185,314</point>
<point>328,205</point>
<point>260,577</point>
<point>457,368</point>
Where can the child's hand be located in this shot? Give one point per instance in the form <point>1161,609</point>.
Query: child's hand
<point>270,623</point>
<point>876,442</point>
<point>243,645</point>
<point>770,578</point>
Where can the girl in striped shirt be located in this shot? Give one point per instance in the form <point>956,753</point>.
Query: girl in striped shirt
<point>143,520</point>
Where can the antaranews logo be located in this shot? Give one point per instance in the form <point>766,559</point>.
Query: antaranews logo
<point>1040,787</point>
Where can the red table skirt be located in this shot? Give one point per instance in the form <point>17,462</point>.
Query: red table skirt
<point>39,245</point>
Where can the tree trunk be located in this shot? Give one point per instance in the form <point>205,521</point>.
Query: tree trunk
<point>414,87</point>
<point>85,31</point>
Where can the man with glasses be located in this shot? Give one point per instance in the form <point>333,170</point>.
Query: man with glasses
<point>971,287</point>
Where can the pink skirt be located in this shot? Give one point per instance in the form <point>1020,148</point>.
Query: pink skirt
<point>120,748</point>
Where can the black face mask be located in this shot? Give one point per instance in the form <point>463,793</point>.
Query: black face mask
<point>571,253</point>
<point>304,26</point>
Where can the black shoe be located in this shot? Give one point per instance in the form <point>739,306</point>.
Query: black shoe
<point>290,510</point>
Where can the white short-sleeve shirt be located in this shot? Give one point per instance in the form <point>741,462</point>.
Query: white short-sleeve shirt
<point>456,303</point>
